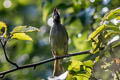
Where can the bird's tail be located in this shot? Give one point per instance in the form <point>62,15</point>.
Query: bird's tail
<point>58,68</point>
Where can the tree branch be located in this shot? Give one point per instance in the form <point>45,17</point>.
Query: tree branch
<point>5,53</point>
<point>42,62</point>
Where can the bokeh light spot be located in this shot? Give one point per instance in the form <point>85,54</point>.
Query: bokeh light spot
<point>7,3</point>
<point>50,22</point>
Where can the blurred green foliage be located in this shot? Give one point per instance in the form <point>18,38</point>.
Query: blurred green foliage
<point>80,18</point>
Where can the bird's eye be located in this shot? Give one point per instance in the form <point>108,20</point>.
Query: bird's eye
<point>3,29</point>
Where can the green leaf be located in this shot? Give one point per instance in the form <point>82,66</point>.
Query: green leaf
<point>75,65</point>
<point>78,71</point>
<point>112,14</point>
<point>81,77</point>
<point>96,32</point>
<point>114,28</point>
<point>19,29</point>
<point>88,63</point>
<point>21,36</point>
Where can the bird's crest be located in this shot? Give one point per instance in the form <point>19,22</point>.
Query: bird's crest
<point>56,15</point>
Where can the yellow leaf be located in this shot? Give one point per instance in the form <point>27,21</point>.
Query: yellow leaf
<point>75,65</point>
<point>96,32</point>
<point>21,36</point>
<point>89,63</point>
<point>3,29</point>
<point>22,29</point>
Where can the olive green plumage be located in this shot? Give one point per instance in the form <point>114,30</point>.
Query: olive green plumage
<point>58,41</point>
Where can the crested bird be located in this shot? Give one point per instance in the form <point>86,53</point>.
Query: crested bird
<point>58,42</point>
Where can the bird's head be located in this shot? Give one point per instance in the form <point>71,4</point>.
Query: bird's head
<point>56,15</point>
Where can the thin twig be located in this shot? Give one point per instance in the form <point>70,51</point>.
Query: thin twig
<point>42,62</point>
<point>5,53</point>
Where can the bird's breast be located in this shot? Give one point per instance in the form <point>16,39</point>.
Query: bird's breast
<point>58,38</point>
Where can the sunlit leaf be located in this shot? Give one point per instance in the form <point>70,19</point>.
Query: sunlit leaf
<point>97,58</point>
<point>19,29</point>
<point>95,45</point>
<point>112,14</point>
<point>96,32</point>
<point>3,29</point>
<point>88,72</point>
<point>88,63</point>
<point>94,51</point>
<point>111,34</point>
<point>75,65</point>
<point>81,77</point>
<point>79,70</point>
<point>114,28</point>
<point>21,36</point>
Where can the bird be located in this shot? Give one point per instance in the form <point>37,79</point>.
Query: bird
<point>59,42</point>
